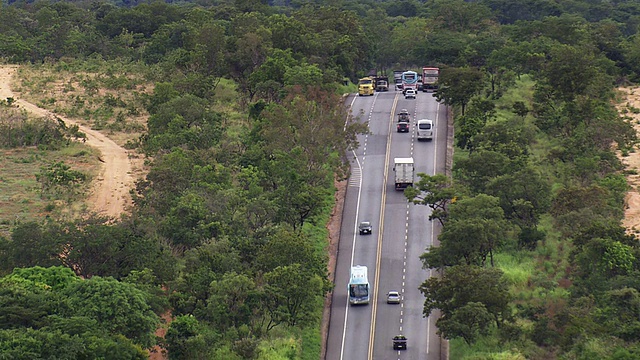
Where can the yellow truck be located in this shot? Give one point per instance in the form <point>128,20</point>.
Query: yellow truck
<point>366,86</point>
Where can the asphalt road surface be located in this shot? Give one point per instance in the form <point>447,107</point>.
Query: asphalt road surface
<point>401,233</point>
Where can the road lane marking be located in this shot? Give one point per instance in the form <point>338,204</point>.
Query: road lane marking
<point>353,246</point>
<point>374,307</point>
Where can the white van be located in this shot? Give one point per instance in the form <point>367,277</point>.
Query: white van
<point>425,129</point>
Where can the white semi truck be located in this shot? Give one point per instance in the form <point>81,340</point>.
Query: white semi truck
<point>404,172</point>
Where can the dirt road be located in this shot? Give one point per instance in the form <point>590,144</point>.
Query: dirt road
<point>110,189</point>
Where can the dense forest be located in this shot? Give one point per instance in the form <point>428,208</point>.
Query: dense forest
<point>227,232</point>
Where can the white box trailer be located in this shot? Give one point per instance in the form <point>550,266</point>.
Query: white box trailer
<point>404,172</point>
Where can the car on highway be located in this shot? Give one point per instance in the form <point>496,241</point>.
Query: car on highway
<point>403,127</point>
<point>403,121</point>
<point>399,342</point>
<point>409,94</point>
<point>393,297</point>
<point>425,129</point>
<point>365,228</point>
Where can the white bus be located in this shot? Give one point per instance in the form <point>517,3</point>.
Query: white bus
<point>425,129</point>
<point>358,285</point>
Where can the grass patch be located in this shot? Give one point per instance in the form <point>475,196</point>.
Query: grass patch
<point>486,348</point>
<point>20,198</point>
<point>97,93</point>
<point>517,269</point>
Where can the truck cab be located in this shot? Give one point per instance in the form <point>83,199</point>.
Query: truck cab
<point>366,86</point>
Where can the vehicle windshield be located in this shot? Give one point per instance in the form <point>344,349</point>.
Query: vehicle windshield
<point>359,290</point>
<point>364,224</point>
<point>424,126</point>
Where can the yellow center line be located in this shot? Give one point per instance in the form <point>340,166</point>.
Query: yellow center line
<point>374,303</point>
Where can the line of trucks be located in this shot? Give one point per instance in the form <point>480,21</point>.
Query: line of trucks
<point>427,81</point>
<point>370,84</point>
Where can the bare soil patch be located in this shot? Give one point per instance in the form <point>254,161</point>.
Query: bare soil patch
<point>109,193</point>
<point>110,190</point>
<point>630,109</point>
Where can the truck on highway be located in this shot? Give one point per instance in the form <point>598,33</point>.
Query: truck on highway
<point>382,83</point>
<point>430,78</point>
<point>404,172</point>
<point>397,79</point>
<point>366,86</point>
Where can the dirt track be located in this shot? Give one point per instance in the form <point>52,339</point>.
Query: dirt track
<point>632,162</point>
<point>110,189</point>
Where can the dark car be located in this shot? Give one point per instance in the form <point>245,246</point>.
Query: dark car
<point>399,342</point>
<point>403,121</point>
<point>365,228</point>
<point>403,127</point>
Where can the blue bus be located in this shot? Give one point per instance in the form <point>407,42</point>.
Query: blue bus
<point>358,285</point>
<point>409,81</point>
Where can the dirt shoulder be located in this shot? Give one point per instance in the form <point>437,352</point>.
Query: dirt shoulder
<point>110,189</point>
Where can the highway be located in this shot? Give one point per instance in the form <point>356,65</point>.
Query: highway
<point>401,233</point>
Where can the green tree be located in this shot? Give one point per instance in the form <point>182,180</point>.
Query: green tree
<point>203,265</point>
<point>30,246</point>
<point>291,294</point>
<point>577,208</point>
<point>187,339</point>
<point>119,308</point>
<point>460,16</point>
<point>272,71</point>
<point>606,257</point>
<point>524,195</point>
<point>467,322</point>
<point>480,167</point>
<point>183,121</point>
<point>26,302</point>
<point>437,192</point>
<point>470,298</point>
<point>473,122</point>
<point>285,247</point>
<point>572,71</point>
<point>511,138</point>
<point>622,311</point>
<point>474,230</point>
<point>234,301</point>
<point>48,343</point>
<point>458,85</point>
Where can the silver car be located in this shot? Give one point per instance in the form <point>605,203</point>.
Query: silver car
<point>393,297</point>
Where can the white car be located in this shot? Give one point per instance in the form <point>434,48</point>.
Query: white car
<point>393,297</point>
<point>409,94</point>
